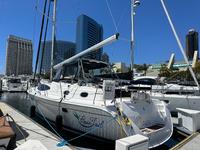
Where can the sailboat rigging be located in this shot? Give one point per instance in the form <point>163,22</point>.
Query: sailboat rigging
<point>90,104</point>
<point>178,96</point>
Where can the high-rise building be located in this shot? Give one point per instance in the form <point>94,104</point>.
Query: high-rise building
<point>63,50</point>
<point>192,43</point>
<point>19,56</point>
<point>88,33</point>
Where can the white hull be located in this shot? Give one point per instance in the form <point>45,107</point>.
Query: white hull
<point>13,87</point>
<point>81,118</point>
<point>175,88</point>
<point>178,101</point>
<point>85,114</point>
<point>176,96</point>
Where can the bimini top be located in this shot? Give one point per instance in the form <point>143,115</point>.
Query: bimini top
<point>91,49</point>
<point>91,64</point>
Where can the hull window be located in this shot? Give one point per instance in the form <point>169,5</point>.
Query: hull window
<point>84,94</point>
<point>43,87</point>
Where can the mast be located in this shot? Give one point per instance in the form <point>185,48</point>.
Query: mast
<point>45,35</point>
<point>179,43</point>
<point>53,39</point>
<point>39,44</point>
<point>134,4</point>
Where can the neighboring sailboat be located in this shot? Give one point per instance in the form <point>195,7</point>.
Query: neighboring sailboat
<point>174,95</point>
<point>178,96</point>
<point>13,84</point>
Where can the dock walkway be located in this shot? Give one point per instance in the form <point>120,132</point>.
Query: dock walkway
<point>190,143</point>
<point>32,130</point>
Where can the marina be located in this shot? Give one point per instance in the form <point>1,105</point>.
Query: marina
<point>19,100</point>
<point>96,88</point>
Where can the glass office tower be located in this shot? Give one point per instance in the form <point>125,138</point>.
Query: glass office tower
<point>88,33</point>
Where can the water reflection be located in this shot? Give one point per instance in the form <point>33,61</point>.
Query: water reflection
<point>19,101</point>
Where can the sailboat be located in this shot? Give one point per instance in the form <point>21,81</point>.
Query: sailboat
<point>174,95</point>
<point>178,96</point>
<point>13,84</point>
<point>90,105</point>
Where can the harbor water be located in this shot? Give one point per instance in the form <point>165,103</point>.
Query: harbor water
<point>21,102</point>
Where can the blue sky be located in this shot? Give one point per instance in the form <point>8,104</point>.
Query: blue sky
<point>154,41</point>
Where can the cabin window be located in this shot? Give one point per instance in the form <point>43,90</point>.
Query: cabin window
<point>145,81</point>
<point>171,92</point>
<point>43,87</point>
<point>66,92</point>
<point>166,101</point>
<point>14,81</point>
<point>187,92</point>
<point>84,94</point>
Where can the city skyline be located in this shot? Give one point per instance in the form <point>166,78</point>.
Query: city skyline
<point>88,33</point>
<point>153,37</point>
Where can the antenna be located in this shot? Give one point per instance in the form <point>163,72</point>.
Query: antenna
<point>134,4</point>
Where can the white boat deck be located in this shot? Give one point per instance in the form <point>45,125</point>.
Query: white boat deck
<point>32,130</point>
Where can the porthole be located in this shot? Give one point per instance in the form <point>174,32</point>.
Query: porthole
<point>84,94</point>
<point>64,110</point>
<point>66,92</point>
<point>43,87</point>
<point>166,101</point>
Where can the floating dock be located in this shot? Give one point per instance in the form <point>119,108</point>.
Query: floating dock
<point>188,127</point>
<point>32,130</point>
<point>190,143</point>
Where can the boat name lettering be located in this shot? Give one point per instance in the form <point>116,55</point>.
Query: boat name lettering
<point>88,122</point>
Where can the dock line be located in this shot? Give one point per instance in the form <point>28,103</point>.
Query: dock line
<point>62,142</point>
